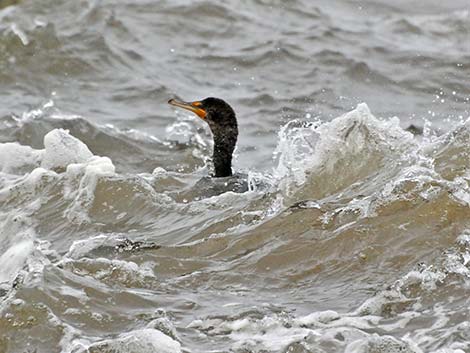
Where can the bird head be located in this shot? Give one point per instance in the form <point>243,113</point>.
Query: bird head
<point>215,111</point>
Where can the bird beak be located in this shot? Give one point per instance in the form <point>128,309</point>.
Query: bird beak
<point>195,107</point>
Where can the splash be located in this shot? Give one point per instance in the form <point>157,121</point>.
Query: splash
<point>341,152</point>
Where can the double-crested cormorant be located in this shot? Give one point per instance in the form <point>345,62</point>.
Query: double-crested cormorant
<point>223,124</point>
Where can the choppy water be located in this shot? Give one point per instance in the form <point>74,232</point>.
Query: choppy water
<point>353,237</point>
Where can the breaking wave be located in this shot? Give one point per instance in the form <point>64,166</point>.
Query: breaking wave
<point>357,214</point>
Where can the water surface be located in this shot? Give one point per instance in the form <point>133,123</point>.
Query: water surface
<point>353,237</point>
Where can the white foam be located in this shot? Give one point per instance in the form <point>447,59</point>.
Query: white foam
<point>62,149</point>
<point>62,153</point>
<point>14,259</point>
<point>80,294</point>
<point>16,158</point>
<point>322,317</point>
<point>164,325</point>
<point>18,247</point>
<point>382,344</point>
<point>276,333</point>
<point>124,272</point>
<point>143,341</point>
<point>80,248</point>
<point>81,182</point>
<point>341,332</point>
<point>77,166</point>
<point>20,34</point>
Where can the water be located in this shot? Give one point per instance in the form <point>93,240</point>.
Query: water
<point>353,237</point>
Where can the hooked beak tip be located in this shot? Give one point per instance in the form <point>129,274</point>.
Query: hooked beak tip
<point>190,106</point>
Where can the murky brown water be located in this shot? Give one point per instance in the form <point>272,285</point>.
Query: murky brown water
<point>353,237</point>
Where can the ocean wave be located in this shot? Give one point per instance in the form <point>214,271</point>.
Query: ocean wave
<point>352,236</point>
<point>354,197</point>
<point>392,310</point>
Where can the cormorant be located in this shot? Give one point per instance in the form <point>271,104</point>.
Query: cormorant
<point>223,123</point>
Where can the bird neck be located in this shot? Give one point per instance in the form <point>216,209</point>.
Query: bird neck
<point>224,144</point>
